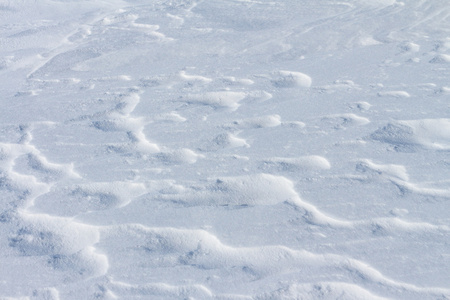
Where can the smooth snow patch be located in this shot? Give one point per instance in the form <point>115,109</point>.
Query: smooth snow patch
<point>44,294</point>
<point>321,290</point>
<point>394,94</point>
<point>162,290</point>
<point>368,41</point>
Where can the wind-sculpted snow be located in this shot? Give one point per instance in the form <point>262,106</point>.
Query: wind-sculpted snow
<point>197,251</point>
<point>223,99</point>
<point>224,149</point>
<point>427,133</point>
<point>285,79</point>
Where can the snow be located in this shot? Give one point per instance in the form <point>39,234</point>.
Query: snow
<point>218,149</point>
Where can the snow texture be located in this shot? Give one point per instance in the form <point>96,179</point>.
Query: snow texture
<point>239,149</point>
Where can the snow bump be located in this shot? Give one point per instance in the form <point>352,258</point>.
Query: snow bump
<point>290,79</point>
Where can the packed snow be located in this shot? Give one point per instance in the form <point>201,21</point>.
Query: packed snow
<point>224,149</point>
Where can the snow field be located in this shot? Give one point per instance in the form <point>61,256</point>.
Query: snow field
<point>224,150</point>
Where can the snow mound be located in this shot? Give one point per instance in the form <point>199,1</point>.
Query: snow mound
<point>257,122</point>
<point>394,94</point>
<point>426,133</point>
<point>290,79</point>
<point>227,140</point>
<point>312,162</point>
<point>89,197</point>
<point>45,235</point>
<point>179,156</point>
<point>258,189</point>
<point>391,170</point>
<point>345,120</point>
<point>223,99</point>
<point>441,59</point>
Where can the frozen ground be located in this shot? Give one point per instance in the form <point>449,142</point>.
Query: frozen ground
<point>216,149</point>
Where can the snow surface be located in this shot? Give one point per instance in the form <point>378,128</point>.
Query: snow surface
<point>224,149</point>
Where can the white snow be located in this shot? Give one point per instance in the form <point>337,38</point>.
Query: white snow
<point>241,149</point>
